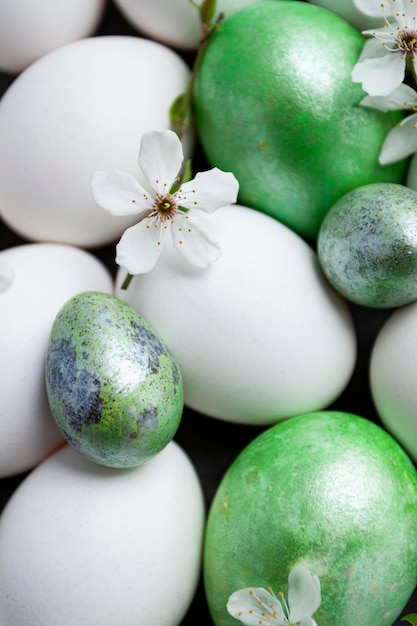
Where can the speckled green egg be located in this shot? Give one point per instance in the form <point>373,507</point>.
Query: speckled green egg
<point>367,245</point>
<point>330,491</point>
<point>113,387</point>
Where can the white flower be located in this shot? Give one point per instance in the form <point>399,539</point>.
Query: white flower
<point>255,606</point>
<point>7,275</point>
<point>161,209</point>
<point>401,141</point>
<point>382,63</point>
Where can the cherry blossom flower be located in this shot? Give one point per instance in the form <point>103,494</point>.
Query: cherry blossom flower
<point>385,56</point>
<point>256,606</point>
<point>401,141</point>
<point>162,207</point>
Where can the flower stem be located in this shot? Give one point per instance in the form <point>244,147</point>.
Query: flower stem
<point>181,111</point>
<point>412,69</point>
<point>126,282</point>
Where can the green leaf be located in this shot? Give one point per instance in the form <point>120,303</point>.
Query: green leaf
<point>176,110</point>
<point>208,11</point>
<point>188,172</point>
<point>180,113</point>
<point>412,619</point>
<point>187,175</point>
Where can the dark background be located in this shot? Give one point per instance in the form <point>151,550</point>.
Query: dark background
<point>212,444</point>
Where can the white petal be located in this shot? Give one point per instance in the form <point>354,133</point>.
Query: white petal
<point>308,621</point>
<point>138,249</point>
<point>403,97</point>
<point>400,142</point>
<point>209,191</point>
<point>160,158</point>
<point>119,193</point>
<point>7,275</point>
<point>408,12</point>
<point>369,7</point>
<point>191,236</point>
<point>380,76</point>
<point>304,596</point>
<point>373,48</point>
<point>248,604</point>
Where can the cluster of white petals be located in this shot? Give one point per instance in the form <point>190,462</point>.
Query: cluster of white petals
<point>256,606</point>
<point>401,141</point>
<point>382,64</point>
<point>381,69</point>
<point>163,209</point>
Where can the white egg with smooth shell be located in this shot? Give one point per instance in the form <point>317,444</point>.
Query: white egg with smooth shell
<point>31,28</point>
<point>174,22</point>
<point>45,277</point>
<point>348,10</point>
<point>260,335</point>
<point>85,545</point>
<point>393,376</point>
<point>79,109</point>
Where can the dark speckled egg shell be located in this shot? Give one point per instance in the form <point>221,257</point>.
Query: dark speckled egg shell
<point>367,245</point>
<point>113,387</point>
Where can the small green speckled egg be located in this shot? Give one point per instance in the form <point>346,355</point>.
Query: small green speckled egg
<point>332,492</point>
<point>113,387</point>
<point>367,245</point>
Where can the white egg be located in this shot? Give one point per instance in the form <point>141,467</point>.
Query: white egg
<point>84,545</point>
<point>393,376</point>
<point>45,277</point>
<point>260,335</point>
<point>78,109</point>
<point>348,10</point>
<point>31,28</point>
<point>174,22</point>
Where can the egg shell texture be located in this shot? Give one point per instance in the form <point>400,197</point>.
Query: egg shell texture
<point>367,245</point>
<point>79,109</point>
<point>292,131</point>
<point>393,376</point>
<point>46,276</point>
<point>93,546</point>
<point>351,13</point>
<point>258,336</point>
<point>174,22</point>
<point>31,28</point>
<point>332,492</point>
<point>113,388</point>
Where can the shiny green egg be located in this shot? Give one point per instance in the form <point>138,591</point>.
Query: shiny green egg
<point>275,104</point>
<point>332,492</point>
<point>113,387</point>
<point>367,245</point>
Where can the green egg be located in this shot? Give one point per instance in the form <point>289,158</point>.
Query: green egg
<point>332,492</point>
<point>275,104</point>
<point>113,387</point>
<point>367,245</point>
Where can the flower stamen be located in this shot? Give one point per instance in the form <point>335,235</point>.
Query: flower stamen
<point>164,207</point>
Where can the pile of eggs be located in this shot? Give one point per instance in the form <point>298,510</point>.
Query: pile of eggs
<point>118,520</point>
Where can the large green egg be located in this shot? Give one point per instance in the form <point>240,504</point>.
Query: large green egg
<point>367,245</point>
<point>330,491</point>
<point>113,387</point>
<point>275,104</point>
